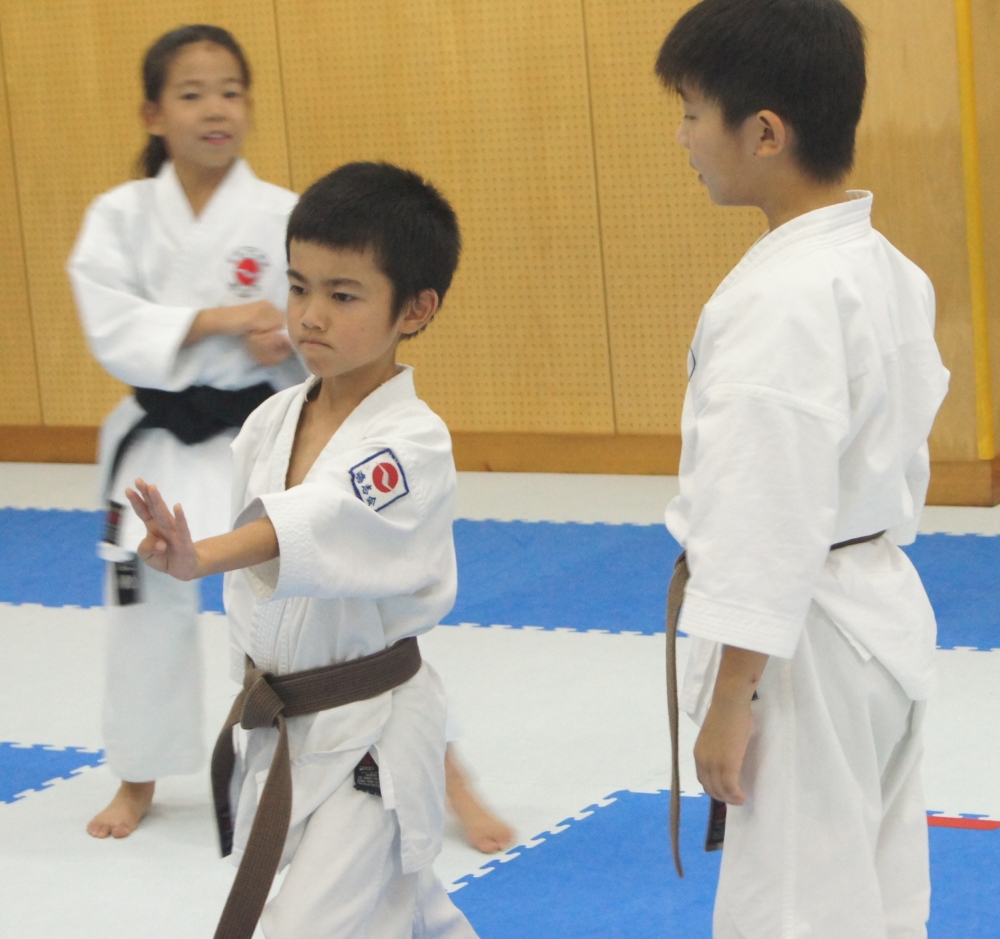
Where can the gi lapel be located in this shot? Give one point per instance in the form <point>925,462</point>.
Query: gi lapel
<point>833,224</point>
<point>201,244</point>
<point>357,425</point>
<point>281,455</point>
<point>173,212</point>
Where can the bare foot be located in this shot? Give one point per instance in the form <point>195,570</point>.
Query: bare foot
<point>123,814</point>
<point>483,830</point>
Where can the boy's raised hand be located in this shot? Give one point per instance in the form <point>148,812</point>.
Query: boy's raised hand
<point>167,547</point>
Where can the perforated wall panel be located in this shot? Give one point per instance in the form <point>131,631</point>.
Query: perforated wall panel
<point>666,247</point>
<point>910,155</point>
<point>489,101</point>
<point>72,69</point>
<point>19,402</point>
<point>986,32</point>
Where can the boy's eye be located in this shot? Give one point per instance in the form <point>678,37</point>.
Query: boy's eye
<point>190,96</point>
<point>234,94</point>
<point>343,297</point>
<point>296,289</point>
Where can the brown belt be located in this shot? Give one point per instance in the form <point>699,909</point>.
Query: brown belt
<point>675,599</point>
<point>266,701</point>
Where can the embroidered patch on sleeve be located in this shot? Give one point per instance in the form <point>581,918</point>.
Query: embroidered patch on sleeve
<point>379,481</point>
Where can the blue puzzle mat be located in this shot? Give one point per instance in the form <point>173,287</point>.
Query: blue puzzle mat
<point>614,577</point>
<point>562,887</point>
<point>611,577</point>
<point>23,768</point>
<point>570,575</point>
<point>48,556</point>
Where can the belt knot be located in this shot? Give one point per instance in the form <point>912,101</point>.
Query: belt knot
<point>265,701</point>
<point>261,704</point>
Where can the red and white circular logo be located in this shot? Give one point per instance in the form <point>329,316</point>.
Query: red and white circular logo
<point>385,477</point>
<point>248,272</point>
<point>247,266</point>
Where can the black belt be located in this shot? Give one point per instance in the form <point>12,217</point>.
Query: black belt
<point>717,812</point>
<point>193,415</point>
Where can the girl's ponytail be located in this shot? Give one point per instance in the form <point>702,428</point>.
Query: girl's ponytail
<point>151,159</point>
<point>155,68</point>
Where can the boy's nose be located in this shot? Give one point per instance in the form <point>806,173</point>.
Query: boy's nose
<point>310,318</point>
<point>681,135</point>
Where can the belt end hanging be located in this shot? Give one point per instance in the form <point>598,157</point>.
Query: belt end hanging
<point>716,834</point>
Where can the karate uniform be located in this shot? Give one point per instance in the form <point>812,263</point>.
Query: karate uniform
<point>366,559</point>
<point>814,381</point>
<point>142,268</point>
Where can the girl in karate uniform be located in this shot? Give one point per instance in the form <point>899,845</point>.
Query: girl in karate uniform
<point>180,283</point>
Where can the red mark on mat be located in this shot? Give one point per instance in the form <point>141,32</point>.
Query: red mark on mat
<point>977,824</point>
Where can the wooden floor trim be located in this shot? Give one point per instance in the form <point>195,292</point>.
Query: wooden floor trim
<point>974,482</point>
<point>625,454</point>
<point>44,444</point>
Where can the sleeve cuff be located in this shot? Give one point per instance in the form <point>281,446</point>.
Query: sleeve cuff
<point>290,574</point>
<point>738,626</point>
<point>262,578</point>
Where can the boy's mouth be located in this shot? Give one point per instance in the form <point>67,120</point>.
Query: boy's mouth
<point>217,138</point>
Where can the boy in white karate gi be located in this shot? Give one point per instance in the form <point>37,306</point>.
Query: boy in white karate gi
<point>814,381</point>
<point>343,497</point>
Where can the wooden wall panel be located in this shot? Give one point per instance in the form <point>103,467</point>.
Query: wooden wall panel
<point>666,246</point>
<point>909,155</point>
<point>72,70</point>
<point>590,246</point>
<point>986,32</point>
<point>489,101</point>
<point>19,403</point>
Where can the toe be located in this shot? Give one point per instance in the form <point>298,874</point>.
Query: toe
<point>486,845</point>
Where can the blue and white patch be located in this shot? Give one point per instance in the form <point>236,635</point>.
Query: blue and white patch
<point>379,481</point>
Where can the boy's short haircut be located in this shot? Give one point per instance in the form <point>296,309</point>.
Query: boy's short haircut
<point>802,59</point>
<point>406,223</point>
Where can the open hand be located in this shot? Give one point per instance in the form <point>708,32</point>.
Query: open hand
<point>167,547</point>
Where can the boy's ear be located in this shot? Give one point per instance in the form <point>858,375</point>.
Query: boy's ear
<point>418,312</point>
<point>772,134</point>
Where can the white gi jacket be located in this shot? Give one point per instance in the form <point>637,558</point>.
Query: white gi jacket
<point>367,558</point>
<point>814,381</point>
<point>143,267</point>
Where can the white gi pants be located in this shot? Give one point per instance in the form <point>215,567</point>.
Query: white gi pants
<point>346,881</point>
<point>153,695</point>
<point>832,841</point>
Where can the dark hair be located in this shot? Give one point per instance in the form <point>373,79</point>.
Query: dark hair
<point>406,223</point>
<point>802,59</point>
<point>156,67</point>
